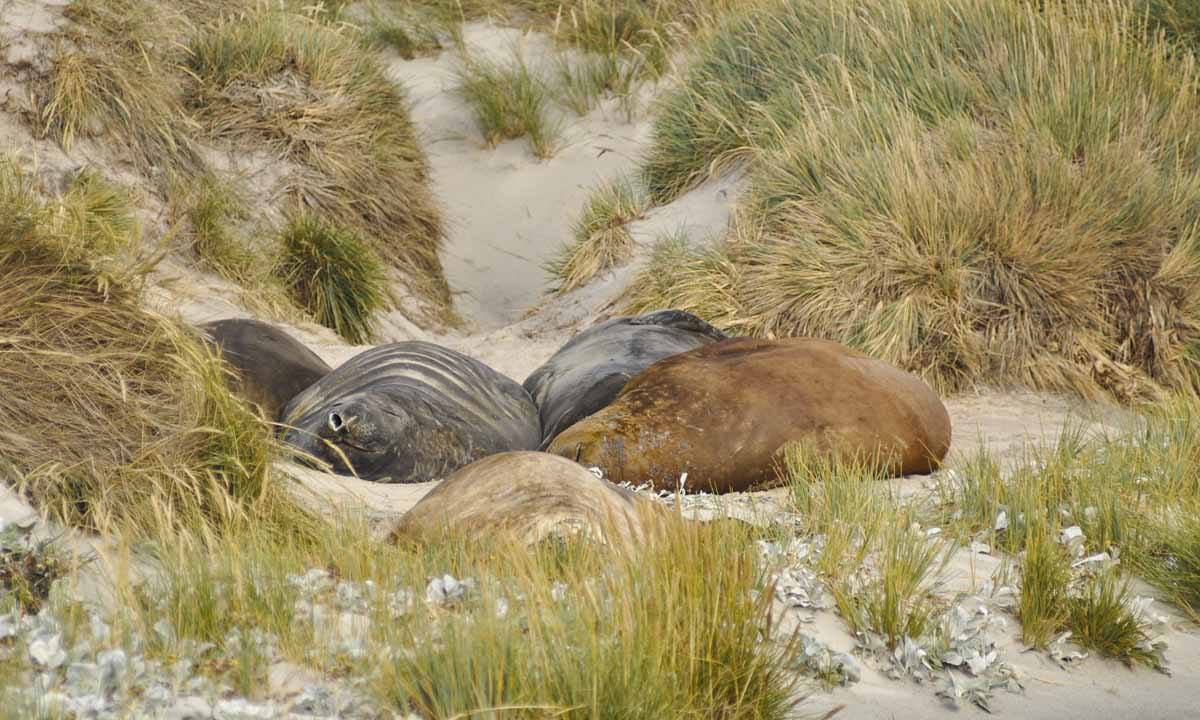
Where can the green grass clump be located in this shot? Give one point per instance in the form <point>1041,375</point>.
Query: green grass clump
<point>1171,557</point>
<point>212,214</point>
<point>644,31</point>
<point>216,230</point>
<point>1045,577</point>
<point>334,275</point>
<point>1136,490</point>
<point>899,602</point>
<point>578,630</point>
<point>601,238</point>
<point>931,181</point>
<point>113,414</point>
<point>509,102</point>
<point>308,93</point>
<point>410,31</point>
<point>96,215</point>
<point>1100,619</point>
<point>881,571</point>
<point>581,83</point>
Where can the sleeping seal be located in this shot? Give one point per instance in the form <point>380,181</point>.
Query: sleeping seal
<point>530,495</point>
<point>269,366</point>
<point>723,413</point>
<point>588,372</point>
<point>410,412</point>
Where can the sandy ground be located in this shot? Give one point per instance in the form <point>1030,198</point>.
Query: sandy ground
<point>508,212</point>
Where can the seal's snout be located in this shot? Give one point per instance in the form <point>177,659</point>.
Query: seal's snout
<point>340,423</point>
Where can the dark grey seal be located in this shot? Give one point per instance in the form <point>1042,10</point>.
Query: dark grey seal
<point>411,412</point>
<point>588,373</point>
<point>269,366</point>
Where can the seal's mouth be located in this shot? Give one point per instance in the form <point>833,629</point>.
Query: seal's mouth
<point>353,446</point>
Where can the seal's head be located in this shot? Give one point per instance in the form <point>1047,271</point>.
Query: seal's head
<point>356,434</point>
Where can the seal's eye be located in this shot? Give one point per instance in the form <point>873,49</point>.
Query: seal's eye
<point>340,424</point>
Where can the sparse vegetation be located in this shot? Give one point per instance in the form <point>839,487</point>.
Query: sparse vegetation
<point>578,630</point>
<point>601,240</point>
<point>1130,496</point>
<point>581,83</point>
<point>334,275</point>
<point>407,30</point>
<point>28,568</point>
<point>881,570</point>
<point>212,213</point>
<point>110,80</point>
<point>1100,619</point>
<point>969,218</point>
<point>1045,578</point>
<point>509,102</point>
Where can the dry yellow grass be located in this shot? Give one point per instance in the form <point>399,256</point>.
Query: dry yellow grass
<point>309,93</point>
<point>110,412</point>
<point>953,188</point>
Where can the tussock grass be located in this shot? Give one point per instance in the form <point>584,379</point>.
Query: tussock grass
<point>1045,577</point>
<point>1134,492</point>
<point>580,83</point>
<point>308,93</point>
<point>1178,20</point>
<point>509,102</point>
<point>931,181</point>
<point>408,28</point>
<point>1172,558</point>
<point>679,274</point>
<point>111,80</point>
<point>111,413</point>
<point>216,228</point>
<point>212,213</point>
<point>900,601</point>
<point>646,31</point>
<point>601,240</point>
<point>1100,619</point>
<point>880,568</point>
<point>96,215</point>
<point>576,630</point>
<point>334,275</point>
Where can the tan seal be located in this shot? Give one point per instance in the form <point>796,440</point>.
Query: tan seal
<point>724,412</point>
<point>531,496</point>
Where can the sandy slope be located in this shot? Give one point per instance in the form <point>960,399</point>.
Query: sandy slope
<point>508,211</point>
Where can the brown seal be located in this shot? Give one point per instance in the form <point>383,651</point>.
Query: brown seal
<point>269,366</point>
<point>531,496</point>
<point>724,412</point>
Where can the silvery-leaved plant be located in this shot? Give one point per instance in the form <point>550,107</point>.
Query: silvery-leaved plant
<point>558,591</point>
<point>400,602</point>
<point>799,587</point>
<point>355,597</point>
<point>448,590</point>
<point>817,660</point>
<point>1073,538</point>
<point>312,583</point>
<point>1063,652</point>
<point>242,709</point>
